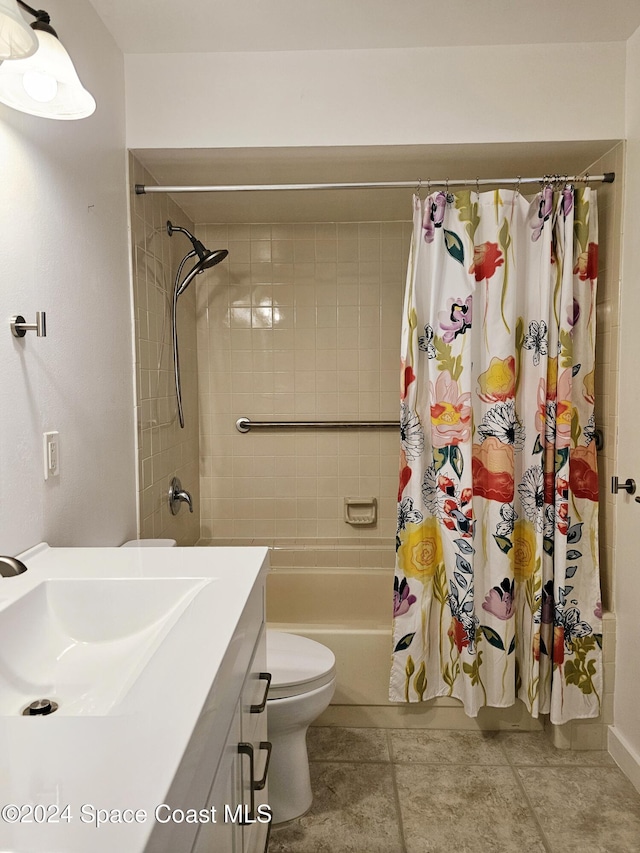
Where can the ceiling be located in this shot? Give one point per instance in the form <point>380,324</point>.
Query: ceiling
<point>204,26</point>
<point>167,26</point>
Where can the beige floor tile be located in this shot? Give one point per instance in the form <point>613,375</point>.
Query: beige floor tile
<point>466,810</point>
<point>585,809</point>
<point>335,743</point>
<point>353,811</point>
<point>441,747</point>
<point>535,749</point>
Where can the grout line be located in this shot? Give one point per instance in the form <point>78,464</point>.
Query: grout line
<point>403,843</point>
<point>543,837</point>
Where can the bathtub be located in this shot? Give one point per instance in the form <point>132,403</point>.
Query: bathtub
<point>341,594</point>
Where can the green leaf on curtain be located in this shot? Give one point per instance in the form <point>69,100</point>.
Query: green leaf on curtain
<point>547,544</point>
<point>504,239</point>
<point>468,213</point>
<point>446,360</point>
<point>473,669</point>
<point>576,431</point>
<point>538,448</point>
<point>598,639</point>
<point>456,459</point>
<point>519,342</point>
<point>581,219</point>
<point>512,645</point>
<point>404,643</point>
<point>440,457</point>
<point>574,534</point>
<point>408,671</point>
<point>453,245</point>
<point>503,543</point>
<point>566,348</point>
<point>420,681</point>
<point>492,637</point>
<point>562,455</point>
<point>440,587</point>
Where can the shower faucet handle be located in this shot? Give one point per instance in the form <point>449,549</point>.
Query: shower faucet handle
<point>178,494</point>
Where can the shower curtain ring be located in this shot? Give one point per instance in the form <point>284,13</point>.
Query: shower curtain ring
<point>477,185</point>
<point>519,177</point>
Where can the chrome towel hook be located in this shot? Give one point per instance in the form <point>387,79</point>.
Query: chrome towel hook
<point>629,486</point>
<point>19,326</point>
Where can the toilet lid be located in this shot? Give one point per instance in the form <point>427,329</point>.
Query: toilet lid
<point>297,664</point>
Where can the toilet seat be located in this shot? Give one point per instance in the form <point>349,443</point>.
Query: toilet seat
<point>297,664</point>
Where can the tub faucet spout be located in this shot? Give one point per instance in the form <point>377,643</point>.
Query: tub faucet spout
<point>10,567</point>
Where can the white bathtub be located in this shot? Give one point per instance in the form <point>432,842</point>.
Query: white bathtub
<point>342,596</point>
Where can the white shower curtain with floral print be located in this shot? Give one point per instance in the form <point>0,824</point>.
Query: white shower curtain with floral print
<point>497,592</point>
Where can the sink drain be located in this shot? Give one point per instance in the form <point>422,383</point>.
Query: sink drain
<point>40,708</point>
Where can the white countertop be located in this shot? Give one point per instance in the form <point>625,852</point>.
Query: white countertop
<point>128,758</point>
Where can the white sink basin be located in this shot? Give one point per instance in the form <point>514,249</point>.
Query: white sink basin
<point>84,642</point>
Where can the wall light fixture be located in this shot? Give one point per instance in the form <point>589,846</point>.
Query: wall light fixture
<point>43,83</point>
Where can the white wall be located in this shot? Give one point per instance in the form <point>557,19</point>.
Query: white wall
<point>625,739</point>
<point>64,249</point>
<point>376,97</point>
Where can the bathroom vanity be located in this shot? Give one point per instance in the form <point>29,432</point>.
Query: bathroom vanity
<point>156,660</point>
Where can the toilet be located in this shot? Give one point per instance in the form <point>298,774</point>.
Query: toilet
<point>303,680</point>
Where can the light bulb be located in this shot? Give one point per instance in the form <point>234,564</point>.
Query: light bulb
<point>40,86</point>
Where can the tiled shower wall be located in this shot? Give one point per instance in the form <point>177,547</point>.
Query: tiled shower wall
<point>302,322</point>
<point>164,450</point>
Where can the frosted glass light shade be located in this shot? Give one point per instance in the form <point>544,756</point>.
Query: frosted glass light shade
<point>45,84</point>
<point>17,39</point>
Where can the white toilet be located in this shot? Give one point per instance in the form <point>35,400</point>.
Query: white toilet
<point>303,680</point>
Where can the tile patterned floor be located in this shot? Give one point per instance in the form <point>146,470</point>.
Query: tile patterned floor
<point>417,791</point>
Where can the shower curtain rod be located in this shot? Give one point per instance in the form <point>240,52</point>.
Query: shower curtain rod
<point>607,178</point>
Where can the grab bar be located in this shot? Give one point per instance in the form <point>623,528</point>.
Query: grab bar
<point>245,425</point>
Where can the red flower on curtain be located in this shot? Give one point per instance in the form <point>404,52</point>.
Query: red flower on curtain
<point>458,634</point>
<point>486,258</point>
<point>583,472</point>
<point>587,264</point>
<point>492,467</point>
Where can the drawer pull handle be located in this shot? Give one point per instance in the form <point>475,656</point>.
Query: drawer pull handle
<point>258,709</point>
<point>259,784</point>
<point>247,749</point>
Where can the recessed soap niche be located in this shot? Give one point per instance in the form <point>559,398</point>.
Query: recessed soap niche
<point>361,512</point>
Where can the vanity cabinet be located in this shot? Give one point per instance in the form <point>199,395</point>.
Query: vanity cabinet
<point>239,794</point>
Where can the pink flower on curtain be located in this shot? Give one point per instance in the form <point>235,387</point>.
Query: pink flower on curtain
<point>545,209</point>
<point>456,319</point>
<point>450,412</point>
<point>564,409</point>
<point>487,257</point>
<point>433,215</point>
<point>499,600</point>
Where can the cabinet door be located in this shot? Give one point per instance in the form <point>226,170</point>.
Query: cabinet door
<point>225,835</point>
<point>254,732</point>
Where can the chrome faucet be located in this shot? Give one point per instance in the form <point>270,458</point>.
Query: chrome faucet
<point>177,495</point>
<point>10,567</point>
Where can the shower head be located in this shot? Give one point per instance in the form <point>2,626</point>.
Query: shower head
<point>207,258</point>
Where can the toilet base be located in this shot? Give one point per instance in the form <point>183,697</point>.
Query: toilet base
<point>290,794</point>
<point>288,719</point>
